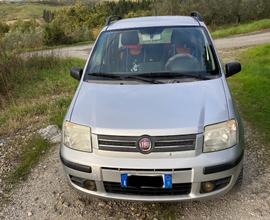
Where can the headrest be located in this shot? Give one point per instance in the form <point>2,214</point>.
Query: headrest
<point>130,38</point>
<point>180,37</point>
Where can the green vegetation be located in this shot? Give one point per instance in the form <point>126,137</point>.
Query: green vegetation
<point>251,88</point>
<point>34,92</point>
<point>30,155</point>
<point>67,25</point>
<point>216,12</point>
<point>23,35</point>
<point>38,25</point>
<point>79,22</point>
<point>4,28</point>
<point>241,28</point>
<point>20,11</point>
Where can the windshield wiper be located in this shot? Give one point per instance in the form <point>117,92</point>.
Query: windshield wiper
<point>125,76</point>
<point>174,75</point>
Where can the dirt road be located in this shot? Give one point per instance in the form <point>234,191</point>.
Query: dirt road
<point>244,40</point>
<point>224,43</point>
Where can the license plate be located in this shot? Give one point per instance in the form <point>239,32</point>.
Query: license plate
<point>138,181</point>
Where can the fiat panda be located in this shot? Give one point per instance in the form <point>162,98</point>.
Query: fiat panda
<point>153,118</point>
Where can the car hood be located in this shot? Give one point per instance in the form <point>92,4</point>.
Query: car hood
<point>154,109</point>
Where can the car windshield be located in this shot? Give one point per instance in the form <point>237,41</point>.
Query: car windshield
<point>156,51</point>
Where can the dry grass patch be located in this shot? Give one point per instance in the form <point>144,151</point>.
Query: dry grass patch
<point>34,92</point>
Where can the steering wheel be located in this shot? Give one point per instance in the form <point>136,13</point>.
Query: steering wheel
<point>183,63</point>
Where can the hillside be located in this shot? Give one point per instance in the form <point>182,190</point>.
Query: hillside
<point>14,11</point>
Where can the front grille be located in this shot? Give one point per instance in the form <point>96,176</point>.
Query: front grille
<point>177,189</point>
<point>147,170</point>
<point>160,143</point>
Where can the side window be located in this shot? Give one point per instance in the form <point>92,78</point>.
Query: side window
<point>98,53</point>
<point>209,56</point>
<point>105,53</point>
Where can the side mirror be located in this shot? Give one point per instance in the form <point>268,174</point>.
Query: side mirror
<point>76,73</point>
<point>232,68</point>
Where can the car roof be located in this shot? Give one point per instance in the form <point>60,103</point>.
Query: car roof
<point>153,21</point>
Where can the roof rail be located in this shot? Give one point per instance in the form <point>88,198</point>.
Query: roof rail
<point>111,19</point>
<point>196,15</point>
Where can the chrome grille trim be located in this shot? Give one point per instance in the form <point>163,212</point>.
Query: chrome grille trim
<point>147,170</point>
<point>160,143</point>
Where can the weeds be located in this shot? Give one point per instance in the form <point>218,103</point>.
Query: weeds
<point>30,155</point>
<point>34,92</point>
<point>33,88</point>
<point>25,76</point>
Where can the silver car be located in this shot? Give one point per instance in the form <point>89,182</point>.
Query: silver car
<point>153,118</point>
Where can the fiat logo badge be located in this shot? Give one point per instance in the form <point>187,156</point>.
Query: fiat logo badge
<point>145,145</point>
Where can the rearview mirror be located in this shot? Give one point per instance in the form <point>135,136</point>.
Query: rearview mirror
<point>232,68</point>
<point>76,73</point>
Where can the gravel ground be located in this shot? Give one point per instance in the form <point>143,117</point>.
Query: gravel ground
<point>10,149</point>
<point>47,195</point>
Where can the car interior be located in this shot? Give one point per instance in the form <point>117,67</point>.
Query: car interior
<point>156,50</point>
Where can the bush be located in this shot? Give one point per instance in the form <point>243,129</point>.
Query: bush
<point>16,70</point>
<point>22,35</point>
<point>4,28</point>
<point>139,13</point>
<point>9,63</point>
<point>216,12</point>
<point>70,25</point>
<point>17,40</point>
<point>53,35</point>
<point>79,22</point>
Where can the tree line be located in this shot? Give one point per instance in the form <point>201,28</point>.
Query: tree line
<point>216,12</point>
<point>83,20</point>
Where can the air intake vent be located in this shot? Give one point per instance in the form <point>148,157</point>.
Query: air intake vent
<point>177,189</point>
<point>160,143</point>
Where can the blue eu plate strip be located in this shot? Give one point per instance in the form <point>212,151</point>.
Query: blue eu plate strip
<point>124,177</point>
<point>168,181</point>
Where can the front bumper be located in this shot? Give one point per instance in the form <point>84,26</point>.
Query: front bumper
<point>194,170</point>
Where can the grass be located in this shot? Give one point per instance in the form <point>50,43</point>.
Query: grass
<point>37,92</point>
<point>45,47</point>
<point>226,31</point>
<point>251,88</point>
<point>30,155</point>
<point>21,11</point>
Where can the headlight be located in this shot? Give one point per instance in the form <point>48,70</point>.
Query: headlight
<point>77,137</point>
<point>220,136</point>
